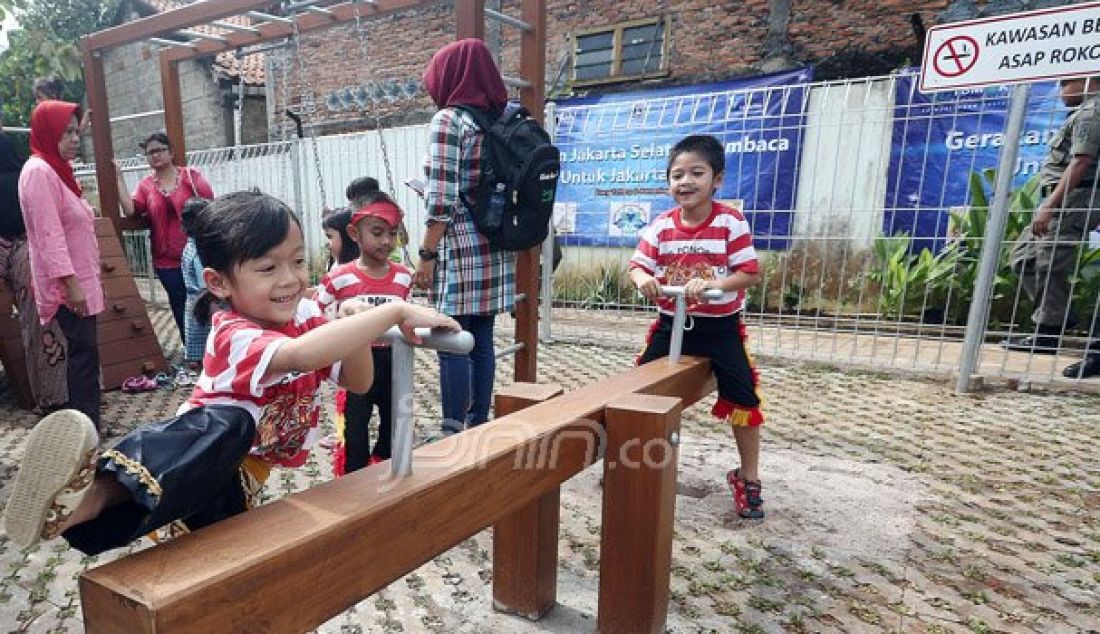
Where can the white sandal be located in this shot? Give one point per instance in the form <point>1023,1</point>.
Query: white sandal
<point>58,467</point>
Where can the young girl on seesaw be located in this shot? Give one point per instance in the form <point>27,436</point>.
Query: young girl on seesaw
<point>255,405</point>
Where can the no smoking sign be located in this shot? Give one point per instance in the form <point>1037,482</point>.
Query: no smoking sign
<point>956,56</point>
<point>1013,49</point>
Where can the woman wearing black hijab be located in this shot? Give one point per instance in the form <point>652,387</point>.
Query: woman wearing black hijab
<point>44,345</point>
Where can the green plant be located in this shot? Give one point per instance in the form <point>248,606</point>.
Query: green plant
<point>912,283</point>
<point>603,285</point>
<point>909,283</point>
<point>812,276</point>
<point>46,43</point>
<point>966,230</point>
<point>792,297</point>
<point>1086,282</point>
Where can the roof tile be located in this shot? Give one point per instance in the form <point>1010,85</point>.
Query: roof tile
<point>226,65</point>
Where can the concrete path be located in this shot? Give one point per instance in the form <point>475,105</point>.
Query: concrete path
<point>892,504</point>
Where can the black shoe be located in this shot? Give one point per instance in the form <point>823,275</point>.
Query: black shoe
<point>1083,369</point>
<point>1038,344</point>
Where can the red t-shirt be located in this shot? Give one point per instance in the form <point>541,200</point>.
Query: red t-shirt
<point>167,235</point>
<point>715,249</point>
<point>234,372</point>
<point>348,281</point>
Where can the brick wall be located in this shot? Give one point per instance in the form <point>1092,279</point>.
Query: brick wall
<point>398,48</point>
<point>710,41</point>
<point>132,78</point>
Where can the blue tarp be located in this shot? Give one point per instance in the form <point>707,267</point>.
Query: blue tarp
<point>940,138</point>
<point>615,152</point>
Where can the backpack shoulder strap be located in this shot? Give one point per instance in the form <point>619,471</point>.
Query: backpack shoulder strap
<point>483,118</point>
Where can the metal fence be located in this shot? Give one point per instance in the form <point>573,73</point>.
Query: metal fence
<point>877,260</point>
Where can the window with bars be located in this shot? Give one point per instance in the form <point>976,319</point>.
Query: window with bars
<point>630,50</point>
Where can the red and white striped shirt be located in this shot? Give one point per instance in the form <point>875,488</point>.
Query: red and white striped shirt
<point>348,281</point>
<point>716,248</point>
<point>234,372</point>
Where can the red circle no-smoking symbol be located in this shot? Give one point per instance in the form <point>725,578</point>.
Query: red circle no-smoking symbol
<point>956,56</point>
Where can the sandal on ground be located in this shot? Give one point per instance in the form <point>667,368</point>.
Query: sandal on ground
<point>162,379</point>
<point>57,469</point>
<point>139,383</point>
<point>184,378</point>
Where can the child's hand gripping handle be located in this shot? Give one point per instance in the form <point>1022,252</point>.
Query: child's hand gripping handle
<point>442,339</point>
<point>679,318</point>
<point>678,291</point>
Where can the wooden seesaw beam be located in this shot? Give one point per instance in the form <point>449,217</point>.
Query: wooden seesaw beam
<point>297,562</point>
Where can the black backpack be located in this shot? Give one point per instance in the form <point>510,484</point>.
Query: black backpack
<point>514,200</point>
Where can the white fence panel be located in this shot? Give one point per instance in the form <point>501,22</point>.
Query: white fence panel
<point>274,168</point>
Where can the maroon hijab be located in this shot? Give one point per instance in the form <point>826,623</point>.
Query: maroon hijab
<point>48,123</point>
<point>462,73</point>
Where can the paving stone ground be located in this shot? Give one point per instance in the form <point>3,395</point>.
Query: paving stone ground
<point>892,504</point>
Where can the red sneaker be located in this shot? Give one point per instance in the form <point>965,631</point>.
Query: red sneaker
<point>373,460</point>
<point>746,496</point>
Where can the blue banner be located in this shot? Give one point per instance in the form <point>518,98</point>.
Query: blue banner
<point>615,153</point>
<point>939,139</point>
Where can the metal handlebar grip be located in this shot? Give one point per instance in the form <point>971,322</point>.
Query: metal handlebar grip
<point>680,317</point>
<point>401,387</point>
<point>678,291</point>
<point>460,342</point>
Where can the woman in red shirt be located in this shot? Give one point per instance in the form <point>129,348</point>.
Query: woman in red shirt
<point>160,197</point>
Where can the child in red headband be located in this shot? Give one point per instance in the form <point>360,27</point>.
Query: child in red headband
<point>375,280</point>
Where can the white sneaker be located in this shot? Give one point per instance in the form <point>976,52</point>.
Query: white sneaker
<point>57,468</point>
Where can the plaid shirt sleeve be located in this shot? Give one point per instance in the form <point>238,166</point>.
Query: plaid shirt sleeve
<point>441,193</point>
<point>453,165</point>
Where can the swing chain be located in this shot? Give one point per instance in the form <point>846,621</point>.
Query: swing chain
<point>284,96</point>
<point>361,33</point>
<point>307,92</point>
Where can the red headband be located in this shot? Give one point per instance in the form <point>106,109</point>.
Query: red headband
<point>387,211</point>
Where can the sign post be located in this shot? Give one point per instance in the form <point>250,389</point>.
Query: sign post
<point>1013,49</point>
<point>994,236</point>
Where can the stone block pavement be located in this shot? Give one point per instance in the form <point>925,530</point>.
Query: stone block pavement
<point>892,504</point>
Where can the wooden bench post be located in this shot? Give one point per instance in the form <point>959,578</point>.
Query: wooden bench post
<point>525,544</point>
<point>639,503</point>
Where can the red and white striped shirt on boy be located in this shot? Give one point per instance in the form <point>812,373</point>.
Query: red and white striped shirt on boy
<point>715,249</point>
<point>348,281</point>
<point>285,406</point>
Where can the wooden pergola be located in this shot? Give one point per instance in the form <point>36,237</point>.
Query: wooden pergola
<point>470,16</point>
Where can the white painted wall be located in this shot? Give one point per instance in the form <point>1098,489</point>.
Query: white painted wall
<point>845,158</point>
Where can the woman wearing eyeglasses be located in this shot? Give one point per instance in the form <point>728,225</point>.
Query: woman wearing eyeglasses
<point>160,197</point>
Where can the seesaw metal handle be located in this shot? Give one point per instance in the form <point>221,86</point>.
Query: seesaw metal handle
<point>401,390</point>
<point>678,291</point>
<point>679,317</point>
<point>460,342</point>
